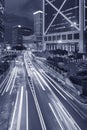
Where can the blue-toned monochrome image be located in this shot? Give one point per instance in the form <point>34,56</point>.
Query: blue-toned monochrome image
<point>43,64</point>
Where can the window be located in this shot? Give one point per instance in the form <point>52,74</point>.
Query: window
<point>64,37</point>
<point>76,36</point>
<point>49,38</point>
<point>45,38</point>
<point>54,38</point>
<point>69,36</point>
<point>58,37</point>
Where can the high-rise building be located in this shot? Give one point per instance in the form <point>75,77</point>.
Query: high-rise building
<point>1,21</point>
<point>65,25</point>
<point>38,26</point>
<point>17,34</point>
<point>17,37</point>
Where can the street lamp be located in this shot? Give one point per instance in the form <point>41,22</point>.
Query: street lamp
<point>8,47</point>
<point>19,26</point>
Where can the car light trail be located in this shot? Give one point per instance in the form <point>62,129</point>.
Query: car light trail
<point>39,82</point>
<point>13,116</point>
<point>56,116</point>
<point>20,110</point>
<point>13,81</point>
<point>37,107</point>
<point>27,124</point>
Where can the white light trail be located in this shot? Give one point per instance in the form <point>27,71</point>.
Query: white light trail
<point>9,82</point>
<point>13,116</point>
<point>55,116</point>
<point>39,82</point>
<point>27,123</point>
<point>38,108</point>
<point>20,110</point>
<point>13,81</point>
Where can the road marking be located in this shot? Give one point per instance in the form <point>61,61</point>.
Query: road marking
<point>20,110</point>
<point>12,121</point>
<point>40,114</point>
<point>27,124</point>
<point>55,116</point>
<point>38,107</point>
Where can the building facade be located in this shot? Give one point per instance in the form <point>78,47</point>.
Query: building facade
<point>38,26</point>
<point>2,21</point>
<point>17,38</point>
<point>29,41</point>
<point>65,25</point>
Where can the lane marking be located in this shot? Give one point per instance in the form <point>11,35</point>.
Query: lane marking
<point>38,107</point>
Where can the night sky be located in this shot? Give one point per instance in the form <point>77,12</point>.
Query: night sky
<point>23,7</point>
<point>20,12</point>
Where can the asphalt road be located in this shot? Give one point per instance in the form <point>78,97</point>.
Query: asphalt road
<point>31,98</point>
<point>59,108</point>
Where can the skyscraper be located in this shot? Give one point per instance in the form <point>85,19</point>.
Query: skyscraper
<point>65,25</point>
<point>17,37</point>
<point>38,26</point>
<point>1,21</point>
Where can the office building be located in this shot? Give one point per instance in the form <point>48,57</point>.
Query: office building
<point>29,41</point>
<point>17,38</point>
<point>38,26</point>
<point>1,21</point>
<point>65,25</point>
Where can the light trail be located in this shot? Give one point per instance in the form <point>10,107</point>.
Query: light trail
<point>10,80</point>
<point>14,112</point>
<point>67,118</point>
<point>2,85</point>
<point>37,107</point>
<point>72,121</point>
<point>39,82</point>
<point>13,81</point>
<point>53,87</point>
<point>55,116</point>
<point>20,110</point>
<point>27,122</point>
<point>8,83</point>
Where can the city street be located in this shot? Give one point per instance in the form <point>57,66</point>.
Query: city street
<point>43,65</point>
<point>31,98</point>
<point>60,109</point>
